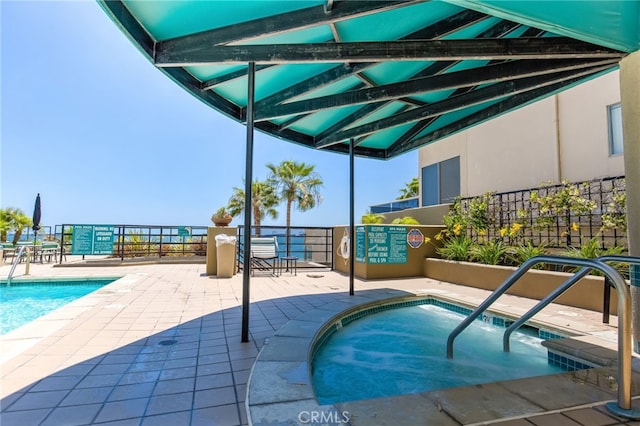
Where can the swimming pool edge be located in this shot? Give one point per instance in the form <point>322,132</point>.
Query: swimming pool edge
<point>280,380</point>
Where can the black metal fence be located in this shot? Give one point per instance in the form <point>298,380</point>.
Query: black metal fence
<point>311,245</point>
<point>598,211</point>
<point>131,241</point>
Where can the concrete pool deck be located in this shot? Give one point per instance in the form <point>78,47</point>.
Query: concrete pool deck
<point>161,346</point>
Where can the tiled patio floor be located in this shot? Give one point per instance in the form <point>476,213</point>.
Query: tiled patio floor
<point>161,346</point>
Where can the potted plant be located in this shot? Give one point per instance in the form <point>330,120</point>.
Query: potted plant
<point>221,217</point>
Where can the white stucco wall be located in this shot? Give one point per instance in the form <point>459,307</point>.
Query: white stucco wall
<point>560,137</point>
<point>584,129</point>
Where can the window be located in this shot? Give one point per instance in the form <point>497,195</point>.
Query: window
<point>441,182</point>
<point>615,130</point>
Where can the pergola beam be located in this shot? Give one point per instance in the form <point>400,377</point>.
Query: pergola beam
<point>379,51</point>
<point>452,80</point>
<point>233,75</point>
<point>278,24</point>
<point>439,29</point>
<point>479,96</point>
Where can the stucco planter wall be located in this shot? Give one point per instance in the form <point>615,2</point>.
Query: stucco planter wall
<point>535,284</point>
<point>412,268</point>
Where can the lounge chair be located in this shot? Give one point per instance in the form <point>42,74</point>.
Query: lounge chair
<point>264,254</point>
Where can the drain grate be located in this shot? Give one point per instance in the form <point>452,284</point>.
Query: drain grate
<point>168,342</point>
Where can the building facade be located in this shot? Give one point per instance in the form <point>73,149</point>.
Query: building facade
<point>575,135</point>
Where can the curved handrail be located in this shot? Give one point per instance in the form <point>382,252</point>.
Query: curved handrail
<point>558,292</point>
<point>15,263</point>
<point>624,316</point>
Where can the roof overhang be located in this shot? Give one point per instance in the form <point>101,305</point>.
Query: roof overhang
<point>390,75</point>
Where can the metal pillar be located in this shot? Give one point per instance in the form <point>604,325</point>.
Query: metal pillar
<point>248,179</point>
<point>630,105</point>
<point>352,229</point>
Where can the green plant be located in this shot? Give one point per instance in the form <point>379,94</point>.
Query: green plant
<point>478,212</point>
<point>456,248</point>
<point>616,211</point>
<point>523,252</point>
<point>263,203</point>
<point>134,244</point>
<point>562,203</point>
<point>221,217</point>
<point>490,253</point>
<point>372,218</point>
<point>199,247</point>
<point>407,220</point>
<point>295,183</point>
<point>411,189</point>
<point>591,249</point>
<point>222,212</point>
<point>13,219</point>
<point>455,222</point>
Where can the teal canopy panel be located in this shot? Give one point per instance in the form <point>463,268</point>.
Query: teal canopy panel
<point>390,75</point>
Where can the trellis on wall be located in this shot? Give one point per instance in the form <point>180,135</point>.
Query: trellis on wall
<point>553,215</point>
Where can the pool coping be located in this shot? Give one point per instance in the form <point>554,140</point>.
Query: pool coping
<point>280,381</point>
<point>27,335</point>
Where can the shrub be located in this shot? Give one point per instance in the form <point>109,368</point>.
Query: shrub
<point>592,250</point>
<point>490,253</point>
<point>478,214</point>
<point>523,252</point>
<point>372,218</point>
<point>456,248</point>
<point>407,220</point>
<point>199,247</point>
<point>616,211</point>
<point>563,203</point>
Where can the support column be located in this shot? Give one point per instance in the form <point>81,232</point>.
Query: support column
<point>248,186</point>
<point>630,105</point>
<point>352,226</point>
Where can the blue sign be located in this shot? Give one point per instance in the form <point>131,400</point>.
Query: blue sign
<point>386,244</point>
<point>92,239</point>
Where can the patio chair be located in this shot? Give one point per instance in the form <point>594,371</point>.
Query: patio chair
<point>48,250</point>
<point>8,251</point>
<point>264,254</point>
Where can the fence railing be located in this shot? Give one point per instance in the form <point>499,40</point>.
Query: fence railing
<point>503,210</point>
<point>311,245</point>
<point>132,241</point>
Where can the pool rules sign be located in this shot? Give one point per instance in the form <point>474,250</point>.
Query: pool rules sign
<point>387,244</point>
<point>92,239</point>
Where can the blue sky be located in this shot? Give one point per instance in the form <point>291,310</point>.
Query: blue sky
<point>106,138</point>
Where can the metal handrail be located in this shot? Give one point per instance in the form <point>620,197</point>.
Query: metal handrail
<point>15,263</point>
<point>558,292</point>
<point>623,407</point>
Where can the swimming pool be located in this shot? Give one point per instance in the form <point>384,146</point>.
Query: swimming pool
<point>25,300</point>
<point>401,351</point>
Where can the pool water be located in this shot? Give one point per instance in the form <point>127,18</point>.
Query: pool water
<point>401,351</point>
<point>24,301</point>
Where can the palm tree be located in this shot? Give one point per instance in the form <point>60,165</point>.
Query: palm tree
<point>5,224</point>
<point>263,202</point>
<point>13,218</point>
<point>296,183</point>
<point>410,190</point>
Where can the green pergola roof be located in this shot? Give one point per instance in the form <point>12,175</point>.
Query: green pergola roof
<point>391,75</point>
